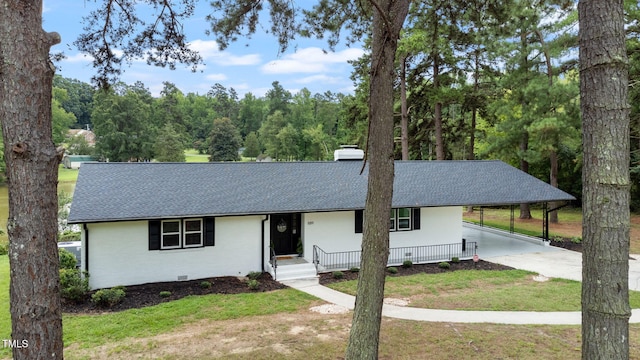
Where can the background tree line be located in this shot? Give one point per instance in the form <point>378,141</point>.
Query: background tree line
<point>489,82</point>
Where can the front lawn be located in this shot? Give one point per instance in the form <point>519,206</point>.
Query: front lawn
<point>505,290</point>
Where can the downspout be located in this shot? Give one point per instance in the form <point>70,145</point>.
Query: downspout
<point>86,247</point>
<point>263,223</point>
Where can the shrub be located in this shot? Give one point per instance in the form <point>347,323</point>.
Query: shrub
<point>557,238</point>
<point>108,297</point>
<point>354,269</point>
<point>165,294</point>
<point>337,274</point>
<point>205,284</point>
<point>455,259</point>
<point>74,284</point>
<point>4,248</point>
<point>393,270</point>
<point>69,235</point>
<point>253,284</point>
<point>254,275</point>
<point>576,239</point>
<point>67,259</point>
<point>407,264</point>
<point>444,265</point>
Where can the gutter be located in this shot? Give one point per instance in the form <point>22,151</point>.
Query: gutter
<point>86,247</point>
<point>263,223</point>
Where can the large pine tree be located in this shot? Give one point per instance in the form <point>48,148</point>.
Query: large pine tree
<point>605,114</point>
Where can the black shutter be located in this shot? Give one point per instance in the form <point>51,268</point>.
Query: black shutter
<point>359,221</point>
<point>154,234</point>
<point>416,218</point>
<point>209,231</point>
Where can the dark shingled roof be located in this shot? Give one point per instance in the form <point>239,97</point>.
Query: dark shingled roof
<point>130,191</point>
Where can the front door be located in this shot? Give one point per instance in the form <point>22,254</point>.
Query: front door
<point>285,232</point>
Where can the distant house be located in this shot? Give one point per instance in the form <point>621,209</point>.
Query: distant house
<point>88,135</point>
<point>156,222</point>
<point>74,161</point>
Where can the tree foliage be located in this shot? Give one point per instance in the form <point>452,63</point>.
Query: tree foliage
<point>225,141</point>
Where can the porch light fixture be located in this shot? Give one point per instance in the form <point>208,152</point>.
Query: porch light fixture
<point>282,226</point>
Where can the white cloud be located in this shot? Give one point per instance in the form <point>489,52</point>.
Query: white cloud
<point>77,58</point>
<point>208,49</point>
<point>311,60</point>
<point>216,77</point>
<point>320,78</point>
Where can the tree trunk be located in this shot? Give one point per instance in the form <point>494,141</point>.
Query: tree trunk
<point>553,156</point>
<point>605,179</point>
<point>553,181</point>
<point>438,111</point>
<point>26,77</point>
<point>474,111</point>
<point>388,17</point>
<point>525,212</point>
<point>404,119</point>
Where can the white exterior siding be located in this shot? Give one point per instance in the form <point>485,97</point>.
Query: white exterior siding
<point>119,253</point>
<point>335,231</point>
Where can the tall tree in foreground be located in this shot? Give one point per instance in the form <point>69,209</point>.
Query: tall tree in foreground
<point>388,19</point>
<point>605,179</point>
<point>26,77</point>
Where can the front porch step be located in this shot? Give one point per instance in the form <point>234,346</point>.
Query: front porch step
<point>295,271</point>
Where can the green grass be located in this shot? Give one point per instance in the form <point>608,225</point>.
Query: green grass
<point>95,330</point>
<point>191,155</point>
<point>67,175</point>
<point>5,316</point>
<point>511,290</point>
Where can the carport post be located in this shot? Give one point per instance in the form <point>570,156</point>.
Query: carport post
<point>511,221</point>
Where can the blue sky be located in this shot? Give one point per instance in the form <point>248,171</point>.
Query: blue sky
<point>249,65</point>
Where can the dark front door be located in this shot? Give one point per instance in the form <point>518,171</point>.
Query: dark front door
<point>285,232</point>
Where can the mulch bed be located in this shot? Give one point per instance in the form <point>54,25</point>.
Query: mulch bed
<point>328,278</point>
<point>138,296</point>
<point>566,243</point>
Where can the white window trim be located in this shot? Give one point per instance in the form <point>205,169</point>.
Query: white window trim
<point>396,220</point>
<point>185,233</point>
<point>162,235</point>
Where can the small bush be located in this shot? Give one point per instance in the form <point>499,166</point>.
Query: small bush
<point>108,297</point>
<point>74,284</point>
<point>67,259</point>
<point>4,248</point>
<point>354,269</point>
<point>392,269</point>
<point>254,275</point>
<point>337,274</point>
<point>455,259</point>
<point>407,264</point>
<point>557,238</point>
<point>576,240</point>
<point>253,284</point>
<point>205,284</point>
<point>444,265</point>
<point>69,235</point>
<point>165,294</point>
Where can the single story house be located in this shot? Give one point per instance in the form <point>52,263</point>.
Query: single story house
<point>157,222</point>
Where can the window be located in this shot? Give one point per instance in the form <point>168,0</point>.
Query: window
<point>400,219</point>
<point>177,234</point>
<point>171,234</point>
<point>192,232</point>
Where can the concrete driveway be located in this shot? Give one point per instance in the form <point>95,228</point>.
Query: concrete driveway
<point>527,253</point>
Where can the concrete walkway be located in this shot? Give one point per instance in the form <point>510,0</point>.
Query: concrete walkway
<point>498,247</point>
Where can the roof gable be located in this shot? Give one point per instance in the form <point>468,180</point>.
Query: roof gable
<point>129,191</point>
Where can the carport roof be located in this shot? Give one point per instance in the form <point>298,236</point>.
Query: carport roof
<point>132,191</point>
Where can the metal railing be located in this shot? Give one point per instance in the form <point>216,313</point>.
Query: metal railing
<point>274,262</point>
<point>344,260</point>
